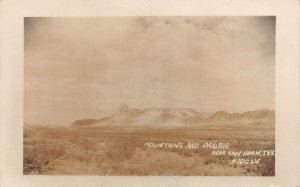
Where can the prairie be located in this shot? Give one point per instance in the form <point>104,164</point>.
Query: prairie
<point>121,151</point>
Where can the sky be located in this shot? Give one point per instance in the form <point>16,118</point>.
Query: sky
<point>83,68</point>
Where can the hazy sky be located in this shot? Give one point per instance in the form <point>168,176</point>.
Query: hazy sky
<point>78,68</point>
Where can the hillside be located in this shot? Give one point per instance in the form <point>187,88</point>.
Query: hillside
<point>175,117</point>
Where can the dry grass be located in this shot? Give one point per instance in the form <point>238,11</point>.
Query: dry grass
<point>121,151</point>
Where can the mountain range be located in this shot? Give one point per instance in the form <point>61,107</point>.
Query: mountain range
<point>176,117</point>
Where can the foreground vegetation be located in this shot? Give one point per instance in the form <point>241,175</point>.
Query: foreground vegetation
<point>122,151</point>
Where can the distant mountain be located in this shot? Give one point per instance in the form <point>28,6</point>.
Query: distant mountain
<point>83,122</point>
<point>263,114</point>
<point>173,117</point>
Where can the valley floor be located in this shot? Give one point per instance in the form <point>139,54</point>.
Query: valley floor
<point>126,151</point>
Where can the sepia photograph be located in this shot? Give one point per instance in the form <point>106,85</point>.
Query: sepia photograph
<point>149,96</point>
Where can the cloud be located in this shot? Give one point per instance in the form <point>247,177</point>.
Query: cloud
<point>86,67</point>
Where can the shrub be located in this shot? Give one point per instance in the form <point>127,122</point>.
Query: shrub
<point>37,158</point>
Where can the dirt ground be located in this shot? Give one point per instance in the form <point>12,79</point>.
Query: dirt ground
<point>122,151</point>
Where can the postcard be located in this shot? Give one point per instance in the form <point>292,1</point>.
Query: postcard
<point>138,93</point>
